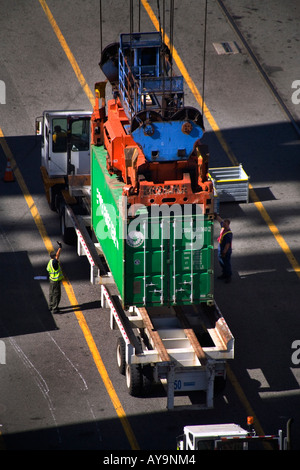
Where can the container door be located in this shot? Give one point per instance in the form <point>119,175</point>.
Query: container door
<point>169,262</point>
<point>145,265</point>
<point>157,259</point>
<point>191,266</point>
<point>181,265</point>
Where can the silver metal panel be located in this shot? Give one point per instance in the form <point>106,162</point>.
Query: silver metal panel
<point>230,183</point>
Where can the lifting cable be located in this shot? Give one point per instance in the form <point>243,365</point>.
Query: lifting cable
<point>162,29</point>
<point>171,32</point>
<point>139,22</point>
<point>131,17</point>
<point>158,15</point>
<point>164,22</point>
<point>100,18</point>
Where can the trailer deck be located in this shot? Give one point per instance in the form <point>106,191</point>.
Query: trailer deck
<point>185,348</point>
<point>169,340</point>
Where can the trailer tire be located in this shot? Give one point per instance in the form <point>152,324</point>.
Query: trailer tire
<point>121,353</point>
<point>219,385</point>
<point>134,379</point>
<point>52,197</point>
<point>68,233</point>
<point>147,377</point>
<point>55,197</point>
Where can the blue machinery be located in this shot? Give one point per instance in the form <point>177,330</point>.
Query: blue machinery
<point>139,68</point>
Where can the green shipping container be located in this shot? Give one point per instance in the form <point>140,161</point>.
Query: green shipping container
<point>161,255</point>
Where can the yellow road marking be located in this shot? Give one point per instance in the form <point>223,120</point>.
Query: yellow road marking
<point>280,240</point>
<point>191,85</point>
<point>68,52</point>
<point>243,399</point>
<point>101,367</point>
<point>72,298</point>
<point>249,410</point>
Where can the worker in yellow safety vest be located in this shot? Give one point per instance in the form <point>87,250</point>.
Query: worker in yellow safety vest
<point>55,278</point>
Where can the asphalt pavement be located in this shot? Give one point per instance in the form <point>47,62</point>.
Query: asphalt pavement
<point>52,396</point>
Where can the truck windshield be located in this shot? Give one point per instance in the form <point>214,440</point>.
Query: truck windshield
<point>249,443</point>
<point>206,445</point>
<point>80,134</point>
<point>214,444</point>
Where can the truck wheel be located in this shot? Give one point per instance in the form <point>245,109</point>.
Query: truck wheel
<point>133,379</point>
<point>52,197</point>
<point>121,355</point>
<point>219,385</point>
<point>67,233</point>
<point>147,377</point>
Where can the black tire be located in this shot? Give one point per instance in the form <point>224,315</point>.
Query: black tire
<point>52,196</point>
<point>67,233</point>
<point>121,351</point>
<point>219,385</point>
<point>134,379</point>
<point>147,377</point>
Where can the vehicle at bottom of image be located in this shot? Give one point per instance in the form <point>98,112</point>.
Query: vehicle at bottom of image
<point>231,436</point>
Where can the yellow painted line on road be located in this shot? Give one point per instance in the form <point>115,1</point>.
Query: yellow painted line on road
<point>279,238</point>
<point>241,394</point>
<point>191,85</point>
<point>249,410</point>
<point>68,52</point>
<point>72,298</point>
<point>101,368</point>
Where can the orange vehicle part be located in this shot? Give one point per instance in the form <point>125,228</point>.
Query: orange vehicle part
<point>98,116</point>
<point>124,156</point>
<point>172,182</point>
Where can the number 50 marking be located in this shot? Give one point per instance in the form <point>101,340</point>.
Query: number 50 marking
<point>177,384</point>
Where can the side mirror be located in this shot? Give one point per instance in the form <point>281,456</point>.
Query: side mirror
<point>39,126</point>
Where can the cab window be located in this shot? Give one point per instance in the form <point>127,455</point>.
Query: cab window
<point>59,135</point>
<point>80,134</point>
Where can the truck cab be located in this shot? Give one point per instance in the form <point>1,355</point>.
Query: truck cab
<point>65,150</point>
<point>65,146</point>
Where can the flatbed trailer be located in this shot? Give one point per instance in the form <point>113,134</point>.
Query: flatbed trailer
<point>162,345</point>
<point>183,348</point>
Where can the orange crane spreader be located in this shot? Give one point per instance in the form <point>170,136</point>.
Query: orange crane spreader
<point>153,141</point>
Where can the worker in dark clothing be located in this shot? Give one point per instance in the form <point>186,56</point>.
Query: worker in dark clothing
<point>59,139</point>
<point>225,248</point>
<point>55,278</point>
